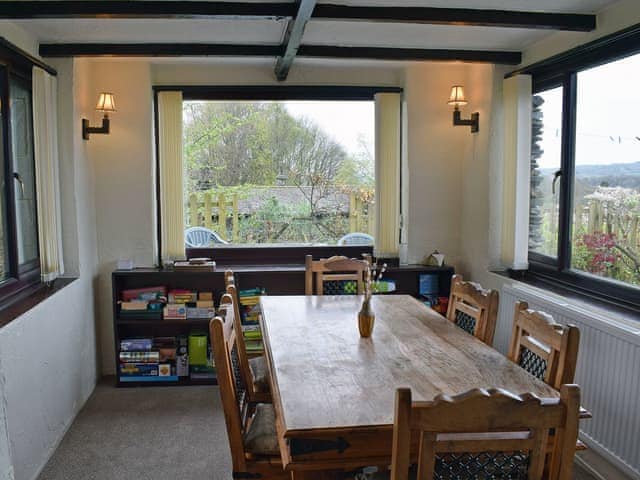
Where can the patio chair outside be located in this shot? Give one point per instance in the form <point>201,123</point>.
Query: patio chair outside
<point>195,237</point>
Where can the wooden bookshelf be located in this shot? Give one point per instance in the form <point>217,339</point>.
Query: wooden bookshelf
<point>277,279</point>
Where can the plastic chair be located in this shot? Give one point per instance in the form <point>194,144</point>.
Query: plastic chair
<point>196,237</point>
<point>356,238</point>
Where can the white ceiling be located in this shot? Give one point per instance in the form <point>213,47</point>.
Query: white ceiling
<point>245,31</point>
<point>419,36</point>
<point>319,32</point>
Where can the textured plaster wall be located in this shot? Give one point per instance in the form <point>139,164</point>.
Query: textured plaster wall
<point>48,355</point>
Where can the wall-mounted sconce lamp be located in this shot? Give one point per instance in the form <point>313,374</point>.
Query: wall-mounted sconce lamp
<point>456,99</point>
<point>106,104</point>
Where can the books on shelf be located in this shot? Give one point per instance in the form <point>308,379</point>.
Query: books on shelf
<point>250,312</point>
<point>195,265</point>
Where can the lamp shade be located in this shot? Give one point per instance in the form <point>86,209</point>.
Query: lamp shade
<point>106,102</point>
<point>456,97</point>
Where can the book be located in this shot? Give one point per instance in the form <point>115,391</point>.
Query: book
<point>175,312</point>
<point>139,357</point>
<point>182,296</point>
<point>253,335</point>
<point>136,344</point>
<point>139,369</point>
<point>134,305</point>
<point>251,292</point>
<point>142,378</point>
<point>147,293</point>
<point>190,266</point>
<point>197,313</point>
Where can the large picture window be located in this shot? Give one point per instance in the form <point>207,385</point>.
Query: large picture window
<point>278,172</point>
<point>282,168</point>
<point>585,178</point>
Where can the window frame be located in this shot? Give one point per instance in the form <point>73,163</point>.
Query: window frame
<point>258,93</point>
<point>562,70</point>
<point>21,276</point>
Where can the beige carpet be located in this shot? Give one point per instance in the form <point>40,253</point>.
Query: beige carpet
<point>153,433</point>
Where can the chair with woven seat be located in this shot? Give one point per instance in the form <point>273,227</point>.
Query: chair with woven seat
<point>543,347</point>
<point>337,275</point>
<point>251,429</point>
<point>473,308</point>
<point>253,370</point>
<point>484,434</point>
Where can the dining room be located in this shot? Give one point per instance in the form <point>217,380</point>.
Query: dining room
<point>316,240</point>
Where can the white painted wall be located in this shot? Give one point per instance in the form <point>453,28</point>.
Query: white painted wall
<point>48,355</point>
<point>124,159</point>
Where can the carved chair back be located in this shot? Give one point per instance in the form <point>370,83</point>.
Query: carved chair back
<point>329,275</point>
<point>543,347</point>
<point>484,434</point>
<point>473,309</point>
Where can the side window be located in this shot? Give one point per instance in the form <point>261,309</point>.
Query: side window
<point>19,254</point>
<point>546,145</point>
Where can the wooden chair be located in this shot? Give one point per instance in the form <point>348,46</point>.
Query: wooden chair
<point>473,309</point>
<point>485,434</point>
<point>252,370</point>
<point>543,347</point>
<point>547,350</point>
<point>330,274</point>
<point>255,451</point>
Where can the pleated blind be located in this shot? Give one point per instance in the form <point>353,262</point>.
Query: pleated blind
<point>387,158</point>
<point>171,173</point>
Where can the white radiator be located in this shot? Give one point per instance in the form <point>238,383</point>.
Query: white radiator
<point>608,371</point>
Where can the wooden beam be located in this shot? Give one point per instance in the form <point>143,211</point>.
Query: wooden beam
<point>457,16</point>
<point>143,9</point>
<point>29,9</point>
<point>411,54</point>
<point>157,50</point>
<point>229,50</point>
<point>293,38</point>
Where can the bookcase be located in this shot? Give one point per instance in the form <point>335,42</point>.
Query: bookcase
<point>278,279</point>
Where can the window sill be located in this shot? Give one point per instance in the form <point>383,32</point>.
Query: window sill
<point>21,303</point>
<point>626,313</point>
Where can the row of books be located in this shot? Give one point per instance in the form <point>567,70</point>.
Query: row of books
<point>156,303</point>
<point>250,313</point>
<point>166,359</point>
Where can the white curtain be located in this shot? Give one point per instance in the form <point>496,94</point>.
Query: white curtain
<point>517,170</point>
<point>388,150</point>
<point>45,139</point>
<point>171,175</point>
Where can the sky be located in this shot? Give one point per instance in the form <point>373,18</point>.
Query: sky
<point>344,121</point>
<point>608,109</point>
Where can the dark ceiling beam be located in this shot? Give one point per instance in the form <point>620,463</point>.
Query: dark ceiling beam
<point>226,50</point>
<point>29,9</point>
<point>411,54</point>
<point>293,38</point>
<point>143,9</point>
<point>157,50</point>
<point>457,16</point>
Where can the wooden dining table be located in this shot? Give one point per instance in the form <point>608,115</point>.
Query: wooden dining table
<point>333,391</point>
